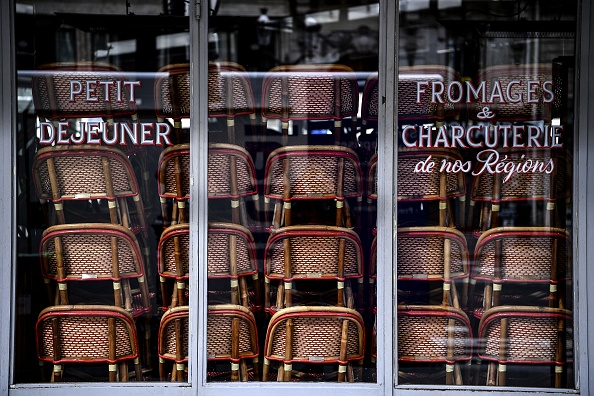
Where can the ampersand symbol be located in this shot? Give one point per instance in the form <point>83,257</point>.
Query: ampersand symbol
<point>485,114</point>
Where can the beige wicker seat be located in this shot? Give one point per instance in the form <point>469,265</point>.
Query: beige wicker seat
<point>174,264</point>
<point>552,188</point>
<point>297,173</point>
<point>433,334</point>
<point>232,258</point>
<point>232,336</point>
<point>78,335</point>
<point>514,257</point>
<point>531,336</point>
<point>314,336</point>
<point>173,343</point>
<point>311,92</point>
<point>434,186</point>
<point>317,254</point>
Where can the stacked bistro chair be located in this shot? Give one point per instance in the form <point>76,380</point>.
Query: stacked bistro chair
<point>172,95</point>
<point>173,263</point>
<point>70,335</point>
<point>526,272</point>
<point>311,257</point>
<point>232,337</point>
<point>173,343</point>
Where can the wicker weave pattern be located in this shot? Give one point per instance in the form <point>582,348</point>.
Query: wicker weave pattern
<point>421,185</point>
<point>527,258</point>
<point>426,338</point>
<point>522,110</point>
<point>314,256</point>
<point>219,175</point>
<point>168,264</point>
<point>425,255</point>
<point>180,80</point>
<point>219,339</point>
<point>84,338</point>
<point>314,176</point>
<point>531,339</point>
<point>316,337</point>
<point>310,95</point>
<point>91,254</point>
<point>168,337</point>
<point>242,99</point>
<point>370,104</point>
<point>80,106</point>
<point>218,258</point>
<point>82,173</point>
<point>170,187</point>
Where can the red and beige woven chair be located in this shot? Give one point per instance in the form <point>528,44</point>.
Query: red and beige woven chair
<point>313,336</point>
<point>90,252</point>
<point>429,335</point>
<point>173,264</point>
<point>231,257</point>
<point>232,176</point>
<point>419,107</point>
<point>232,336</point>
<point>370,102</point>
<point>427,254</point>
<point>371,191</point>
<point>311,93</point>
<point>295,173</point>
<point>537,107</point>
<point>78,335</point>
<point>528,336</point>
<point>433,186</point>
<point>318,254</point>
<point>174,183</point>
<point>517,257</point>
<point>173,343</point>
<point>172,95</point>
<point>551,187</point>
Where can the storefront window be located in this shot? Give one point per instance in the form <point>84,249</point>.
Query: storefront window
<point>485,159</point>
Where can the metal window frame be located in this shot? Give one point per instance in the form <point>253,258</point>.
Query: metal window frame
<point>387,365</point>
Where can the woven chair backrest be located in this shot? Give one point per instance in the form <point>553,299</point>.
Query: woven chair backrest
<point>88,252</point>
<point>527,254</point>
<point>167,171</point>
<point>229,90</point>
<point>310,92</point>
<point>80,173</point>
<point>55,88</point>
<point>316,334</point>
<point>544,325</point>
<point>425,332</point>
<point>421,253</point>
<point>170,337</point>
<point>219,250</point>
<point>219,171</point>
<point>219,332</point>
<point>314,253</point>
<point>313,173</point>
<point>174,245</point>
<point>172,91</point>
<point>81,333</point>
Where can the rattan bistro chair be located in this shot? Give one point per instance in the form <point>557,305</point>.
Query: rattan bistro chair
<point>78,335</point>
<point>173,343</point>
<point>172,95</point>
<point>232,336</point>
<point>507,258</point>
<point>174,183</point>
<point>433,334</point>
<point>524,335</point>
<point>311,93</point>
<point>232,258</point>
<point>173,263</point>
<point>313,336</point>
<point>295,173</point>
<point>317,253</point>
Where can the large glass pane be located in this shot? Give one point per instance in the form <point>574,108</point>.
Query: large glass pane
<point>484,241</point>
<point>292,132</point>
<point>95,271</point>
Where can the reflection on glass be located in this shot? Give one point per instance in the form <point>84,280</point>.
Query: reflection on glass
<point>289,274</point>
<point>100,218</point>
<point>484,260</point>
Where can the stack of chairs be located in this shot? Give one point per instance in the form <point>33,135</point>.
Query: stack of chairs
<point>522,275</point>
<point>95,215</point>
<point>310,261</point>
